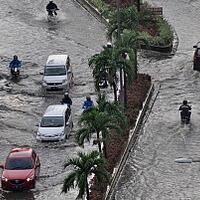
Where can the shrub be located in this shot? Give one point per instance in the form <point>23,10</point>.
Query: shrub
<point>165,34</point>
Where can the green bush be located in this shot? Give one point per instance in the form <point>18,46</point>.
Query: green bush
<point>102,7</point>
<point>165,34</point>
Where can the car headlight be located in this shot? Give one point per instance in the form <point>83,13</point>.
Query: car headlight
<point>64,81</point>
<point>3,178</point>
<point>30,178</point>
<point>38,134</point>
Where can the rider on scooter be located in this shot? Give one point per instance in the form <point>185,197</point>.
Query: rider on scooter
<point>15,63</point>
<point>88,104</point>
<point>185,109</point>
<point>66,100</point>
<point>51,8</point>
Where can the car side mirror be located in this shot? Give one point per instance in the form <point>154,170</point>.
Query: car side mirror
<point>195,46</point>
<point>41,73</point>
<point>69,72</point>
<point>1,166</point>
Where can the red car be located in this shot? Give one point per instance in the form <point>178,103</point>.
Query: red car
<point>21,169</point>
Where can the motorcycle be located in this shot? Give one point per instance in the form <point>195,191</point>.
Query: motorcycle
<point>51,14</point>
<point>15,72</point>
<point>185,117</point>
<point>103,82</point>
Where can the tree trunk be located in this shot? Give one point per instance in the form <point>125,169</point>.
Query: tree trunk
<point>115,91</point>
<point>120,79</point>
<point>125,91</point>
<point>87,191</point>
<point>136,64</point>
<point>99,142</point>
<point>138,5</point>
<point>104,149</point>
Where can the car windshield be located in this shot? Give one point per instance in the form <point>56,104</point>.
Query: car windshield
<point>19,163</point>
<point>56,121</point>
<point>55,71</point>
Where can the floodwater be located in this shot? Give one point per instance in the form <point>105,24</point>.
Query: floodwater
<point>150,172</point>
<point>26,32</point>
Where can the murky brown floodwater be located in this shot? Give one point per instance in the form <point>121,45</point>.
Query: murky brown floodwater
<point>150,172</point>
<point>26,32</point>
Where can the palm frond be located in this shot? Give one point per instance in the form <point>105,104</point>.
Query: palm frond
<point>69,182</point>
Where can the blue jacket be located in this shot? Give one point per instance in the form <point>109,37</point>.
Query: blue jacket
<point>15,63</point>
<point>88,104</point>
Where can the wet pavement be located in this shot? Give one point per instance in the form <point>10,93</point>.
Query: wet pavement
<point>26,32</point>
<point>150,172</point>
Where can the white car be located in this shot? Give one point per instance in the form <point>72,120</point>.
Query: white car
<point>55,124</point>
<point>57,73</point>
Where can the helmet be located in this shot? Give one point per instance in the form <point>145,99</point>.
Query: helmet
<point>15,57</point>
<point>88,98</point>
<point>50,1</point>
<point>109,44</point>
<point>185,102</point>
<point>66,94</point>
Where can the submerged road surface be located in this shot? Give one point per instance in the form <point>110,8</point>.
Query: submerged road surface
<point>150,172</point>
<point>26,32</point>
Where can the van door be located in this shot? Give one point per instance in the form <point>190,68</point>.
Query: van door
<point>67,122</point>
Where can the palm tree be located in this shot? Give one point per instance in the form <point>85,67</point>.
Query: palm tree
<point>105,62</point>
<point>96,122</point>
<point>84,166</point>
<point>130,42</point>
<point>114,110</point>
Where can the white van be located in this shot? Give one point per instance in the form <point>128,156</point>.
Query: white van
<point>55,124</point>
<point>57,73</point>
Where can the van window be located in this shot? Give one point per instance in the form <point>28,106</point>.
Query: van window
<point>52,121</point>
<point>55,71</point>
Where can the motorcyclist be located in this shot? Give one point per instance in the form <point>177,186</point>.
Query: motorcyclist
<point>66,100</point>
<point>15,63</point>
<point>51,8</point>
<point>88,103</point>
<point>185,109</point>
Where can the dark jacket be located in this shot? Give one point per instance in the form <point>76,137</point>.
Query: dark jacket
<point>66,100</point>
<point>15,63</point>
<point>51,6</point>
<point>185,108</point>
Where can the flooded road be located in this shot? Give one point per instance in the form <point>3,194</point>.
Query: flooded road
<point>26,32</point>
<point>150,172</point>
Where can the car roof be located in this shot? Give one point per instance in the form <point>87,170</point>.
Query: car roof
<point>20,152</point>
<point>55,110</point>
<point>56,60</point>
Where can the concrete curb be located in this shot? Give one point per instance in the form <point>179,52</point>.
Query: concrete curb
<point>132,141</point>
<point>92,10</point>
